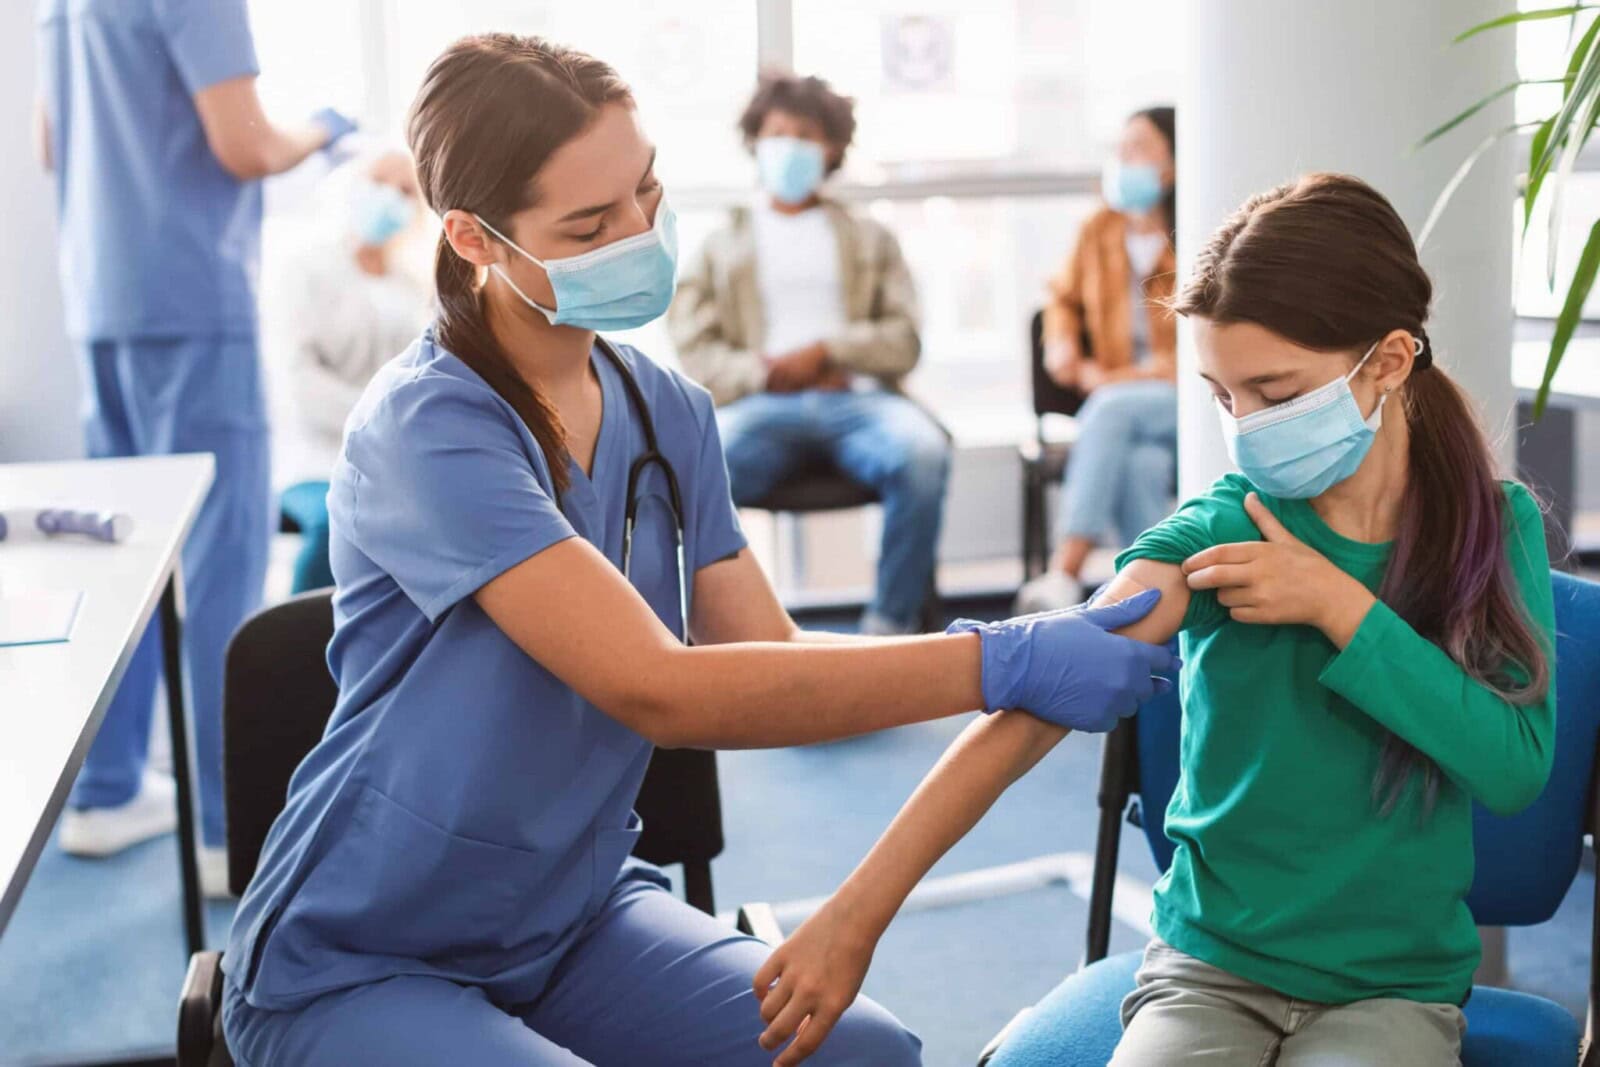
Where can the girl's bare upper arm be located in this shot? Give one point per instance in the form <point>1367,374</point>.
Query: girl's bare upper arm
<point>1166,617</point>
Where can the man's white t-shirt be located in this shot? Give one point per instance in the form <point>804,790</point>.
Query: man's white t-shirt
<point>797,270</point>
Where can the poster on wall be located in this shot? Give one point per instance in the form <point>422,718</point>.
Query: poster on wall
<point>918,53</point>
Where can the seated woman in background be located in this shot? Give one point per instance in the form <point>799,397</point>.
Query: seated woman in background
<point>352,301</point>
<point>1108,334</point>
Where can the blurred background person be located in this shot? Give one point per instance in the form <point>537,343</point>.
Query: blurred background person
<point>351,299</point>
<point>800,316</point>
<point>1108,333</point>
<point>150,119</point>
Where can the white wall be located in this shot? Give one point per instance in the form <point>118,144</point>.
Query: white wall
<point>1273,89</point>
<point>38,375</point>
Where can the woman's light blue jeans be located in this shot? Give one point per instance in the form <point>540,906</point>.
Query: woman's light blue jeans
<point>880,439</point>
<point>1120,473</point>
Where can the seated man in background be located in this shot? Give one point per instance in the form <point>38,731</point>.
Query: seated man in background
<point>352,299</point>
<point>800,317</point>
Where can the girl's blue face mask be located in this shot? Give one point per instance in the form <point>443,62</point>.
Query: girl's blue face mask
<point>619,286</point>
<point>1133,188</point>
<point>1303,447</point>
<point>791,168</point>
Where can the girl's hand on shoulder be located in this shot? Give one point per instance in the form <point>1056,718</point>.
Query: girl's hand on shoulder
<point>1280,581</point>
<point>811,979</point>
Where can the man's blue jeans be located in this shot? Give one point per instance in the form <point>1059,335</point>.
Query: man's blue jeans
<point>880,439</point>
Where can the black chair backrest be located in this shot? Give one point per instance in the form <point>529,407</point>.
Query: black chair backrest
<point>1048,397</point>
<point>278,695</point>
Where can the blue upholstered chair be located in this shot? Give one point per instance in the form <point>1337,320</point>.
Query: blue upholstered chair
<point>1525,866</point>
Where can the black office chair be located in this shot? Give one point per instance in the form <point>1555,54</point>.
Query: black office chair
<point>1043,461</point>
<point>821,486</point>
<point>277,697</point>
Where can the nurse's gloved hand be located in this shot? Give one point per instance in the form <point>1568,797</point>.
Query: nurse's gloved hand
<point>1066,668</point>
<point>338,125</point>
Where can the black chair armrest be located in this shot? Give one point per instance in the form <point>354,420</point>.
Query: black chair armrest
<point>199,1006</point>
<point>759,921</point>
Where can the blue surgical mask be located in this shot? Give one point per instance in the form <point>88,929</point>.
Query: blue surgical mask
<point>619,286</point>
<point>379,212</point>
<point>791,168</point>
<point>1134,188</point>
<point>1305,446</point>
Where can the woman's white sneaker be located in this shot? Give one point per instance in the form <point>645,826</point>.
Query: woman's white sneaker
<point>98,832</point>
<point>1049,591</point>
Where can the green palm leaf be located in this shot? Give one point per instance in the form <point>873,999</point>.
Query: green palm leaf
<point>1460,176</point>
<point>1571,312</point>
<point>1522,16</point>
<point>1440,131</point>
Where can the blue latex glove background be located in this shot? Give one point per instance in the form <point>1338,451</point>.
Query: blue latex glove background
<point>1066,668</point>
<point>338,125</point>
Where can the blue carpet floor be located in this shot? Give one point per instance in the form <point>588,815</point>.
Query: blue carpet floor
<point>91,964</point>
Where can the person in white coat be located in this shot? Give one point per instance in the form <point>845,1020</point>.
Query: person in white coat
<point>348,306</point>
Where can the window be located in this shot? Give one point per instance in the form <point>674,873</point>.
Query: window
<point>1006,86</point>
<point>1542,49</point>
<point>690,65</point>
<point>975,99</point>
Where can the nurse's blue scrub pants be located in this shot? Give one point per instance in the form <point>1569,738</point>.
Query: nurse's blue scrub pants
<point>651,982</point>
<point>157,397</point>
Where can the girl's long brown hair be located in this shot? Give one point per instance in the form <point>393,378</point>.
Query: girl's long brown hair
<point>492,109</point>
<point>1327,263</point>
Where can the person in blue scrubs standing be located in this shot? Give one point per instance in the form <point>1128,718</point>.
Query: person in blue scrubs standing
<point>450,880</point>
<point>150,120</point>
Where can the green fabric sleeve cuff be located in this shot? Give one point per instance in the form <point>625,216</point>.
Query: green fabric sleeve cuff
<point>1349,672</point>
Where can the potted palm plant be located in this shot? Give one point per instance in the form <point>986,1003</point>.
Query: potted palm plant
<point>1553,151</point>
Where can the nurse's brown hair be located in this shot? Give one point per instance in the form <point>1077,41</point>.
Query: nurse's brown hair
<point>1327,263</point>
<point>491,111</point>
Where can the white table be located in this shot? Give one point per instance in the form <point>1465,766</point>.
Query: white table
<point>54,696</point>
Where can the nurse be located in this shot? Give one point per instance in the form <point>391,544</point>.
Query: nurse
<point>450,879</point>
<point>150,120</point>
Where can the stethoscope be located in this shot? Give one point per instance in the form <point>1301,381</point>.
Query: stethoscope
<point>651,456</point>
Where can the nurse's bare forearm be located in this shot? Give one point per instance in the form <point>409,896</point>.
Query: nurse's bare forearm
<point>41,134</point>
<point>570,610</point>
<point>764,695</point>
<point>245,141</point>
<point>983,762</point>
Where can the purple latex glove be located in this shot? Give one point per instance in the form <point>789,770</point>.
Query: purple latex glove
<point>1066,668</point>
<point>339,126</point>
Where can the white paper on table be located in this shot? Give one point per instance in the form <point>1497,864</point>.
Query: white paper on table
<point>38,617</point>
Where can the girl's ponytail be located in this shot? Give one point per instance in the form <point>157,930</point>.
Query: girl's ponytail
<point>463,329</point>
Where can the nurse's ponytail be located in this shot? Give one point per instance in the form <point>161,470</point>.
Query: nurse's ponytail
<point>1328,264</point>
<point>492,109</point>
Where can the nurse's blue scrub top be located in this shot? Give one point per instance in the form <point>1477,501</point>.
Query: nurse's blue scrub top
<point>466,812</point>
<point>157,240</point>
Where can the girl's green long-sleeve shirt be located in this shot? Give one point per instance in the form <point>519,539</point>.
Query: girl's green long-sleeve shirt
<point>1286,872</point>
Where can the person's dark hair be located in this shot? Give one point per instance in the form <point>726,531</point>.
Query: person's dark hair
<point>1326,263</point>
<point>492,109</point>
<point>1165,119</point>
<point>808,97</point>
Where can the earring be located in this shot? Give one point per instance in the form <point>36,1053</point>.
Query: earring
<point>1388,389</point>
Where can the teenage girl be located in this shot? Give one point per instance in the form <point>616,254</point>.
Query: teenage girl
<point>1367,625</point>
